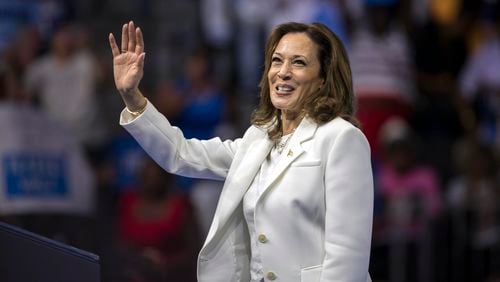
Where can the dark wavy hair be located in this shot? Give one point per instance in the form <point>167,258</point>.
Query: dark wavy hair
<point>334,99</point>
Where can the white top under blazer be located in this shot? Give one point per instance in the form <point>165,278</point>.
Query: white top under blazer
<point>249,204</point>
<point>313,216</point>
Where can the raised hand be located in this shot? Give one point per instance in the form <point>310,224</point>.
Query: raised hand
<point>128,64</point>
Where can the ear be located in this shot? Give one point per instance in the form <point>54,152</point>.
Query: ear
<point>323,81</point>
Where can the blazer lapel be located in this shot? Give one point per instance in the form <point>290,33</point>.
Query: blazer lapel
<point>243,176</point>
<point>304,132</point>
<point>238,183</point>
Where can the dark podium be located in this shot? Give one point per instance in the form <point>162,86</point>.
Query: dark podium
<point>27,257</point>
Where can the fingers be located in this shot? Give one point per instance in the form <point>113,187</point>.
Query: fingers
<point>131,36</point>
<point>124,38</point>
<point>132,40</point>
<point>140,60</point>
<point>114,47</point>
<point>139,48</point>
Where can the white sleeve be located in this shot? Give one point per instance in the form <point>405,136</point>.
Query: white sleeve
<point>166,144</point>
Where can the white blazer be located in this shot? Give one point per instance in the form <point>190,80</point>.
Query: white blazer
<point>314,218</point>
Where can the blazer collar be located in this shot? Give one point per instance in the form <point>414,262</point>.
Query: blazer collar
<point>304,132</point>
<point>255,156</point>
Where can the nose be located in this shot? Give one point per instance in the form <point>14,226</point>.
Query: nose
<point>284,71</point>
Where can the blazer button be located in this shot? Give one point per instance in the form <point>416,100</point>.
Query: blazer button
<point>262,238</point>
<point>271,276</point>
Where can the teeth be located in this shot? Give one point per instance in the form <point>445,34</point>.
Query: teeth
<point>285,88</point>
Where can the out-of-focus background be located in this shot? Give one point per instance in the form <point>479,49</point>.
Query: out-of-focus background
<point>427,81</point>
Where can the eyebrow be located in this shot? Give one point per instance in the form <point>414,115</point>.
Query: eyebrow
<point>293,57</point>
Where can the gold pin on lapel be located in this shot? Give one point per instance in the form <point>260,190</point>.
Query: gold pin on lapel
<point>290,153</point>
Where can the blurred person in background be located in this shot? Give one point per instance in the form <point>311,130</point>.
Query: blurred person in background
<point>473,200</point>
<point>439,117</point>
<point>382,69</point>
<point>24,50</point>
<point>46,184</point>
<point>301,169</point>
<point>64,81</point>
<point>193,102</point>
<point>156,226</point>
<point>480,79</point>
<point>411,197</point>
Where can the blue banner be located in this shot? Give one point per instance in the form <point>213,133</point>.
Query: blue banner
<point>35,175</point>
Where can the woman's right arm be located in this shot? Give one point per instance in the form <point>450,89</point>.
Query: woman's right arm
<point>164,143</point>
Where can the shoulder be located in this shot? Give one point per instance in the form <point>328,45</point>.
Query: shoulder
<point>337,126</point>
<point>255,131</point>
<point>341,131</point>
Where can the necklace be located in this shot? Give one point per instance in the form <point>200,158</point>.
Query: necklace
<point>283,142</point>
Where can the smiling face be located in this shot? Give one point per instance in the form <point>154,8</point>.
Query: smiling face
<point>294,72</point>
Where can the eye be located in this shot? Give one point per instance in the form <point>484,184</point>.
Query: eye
<point>275,60</point>
<point>299,62</point>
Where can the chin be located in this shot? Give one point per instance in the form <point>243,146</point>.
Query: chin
<point>282,104</point>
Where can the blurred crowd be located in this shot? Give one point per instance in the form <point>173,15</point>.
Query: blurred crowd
<point>426,77</point>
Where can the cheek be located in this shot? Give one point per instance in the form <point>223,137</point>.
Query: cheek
<point>310,87</point>
<point>270,81</point>
<point>271,74</point>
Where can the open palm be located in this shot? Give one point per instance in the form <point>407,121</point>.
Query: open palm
<point>128,63</point>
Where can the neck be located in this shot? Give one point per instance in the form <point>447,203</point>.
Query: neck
<point>290,121</point>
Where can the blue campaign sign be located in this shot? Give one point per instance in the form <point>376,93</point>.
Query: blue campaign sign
<point>35,175</point>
